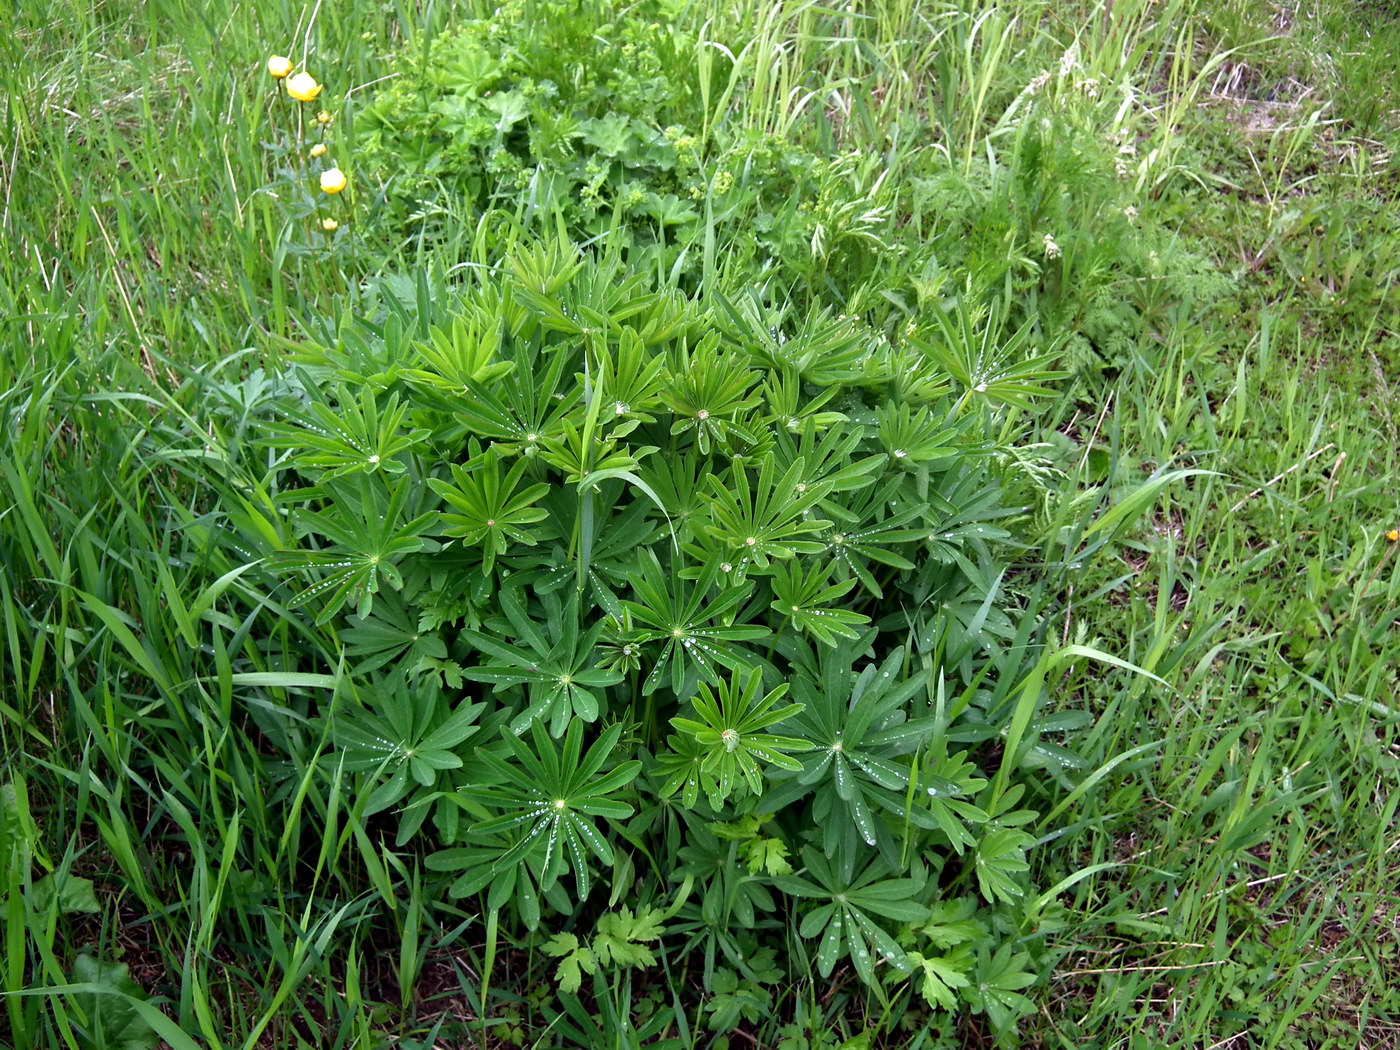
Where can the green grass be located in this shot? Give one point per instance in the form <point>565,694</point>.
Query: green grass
<point>1222,870</point>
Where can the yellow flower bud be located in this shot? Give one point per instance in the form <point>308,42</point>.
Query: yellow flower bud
<point>329,225</point>
<point>318,150</point>
<point>303,87</point>
<point>323,117</point>
<point>1393,535</point>
<point>333,180</point>
<point>279,66</point>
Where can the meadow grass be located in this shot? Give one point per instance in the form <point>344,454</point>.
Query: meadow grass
<point>1222,870</point>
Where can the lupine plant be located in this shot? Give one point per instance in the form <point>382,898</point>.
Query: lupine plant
<point>631,584</point>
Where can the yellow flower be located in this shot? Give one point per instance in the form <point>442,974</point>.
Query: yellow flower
<point>279,66</point>
<point>303,87</point>
<point>323,117</point>
<point>329,225</point>
<point>1393,535</point>
<point>333,180</point>
<point>318,150</point>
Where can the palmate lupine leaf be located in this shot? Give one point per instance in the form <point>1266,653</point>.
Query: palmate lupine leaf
<point>961,615</point>
<point>729,727</point>
<point>491,514</point>
<point>809,601</point>
<point>482,867</point>
<point>947,783</point>
<point>823,350</point>
<point>681,767</point>
<point>709,394</point>
<point>963,507</point>
<point>368,538</point>
<point>970,344</point>
<point>553,794</point>
<point>615,538</point>
<point>677,481</point>
<point>520,411</point>
<point>678,614</point>
<point>791,411</point>
<point>859,729</point>
<point>599,298</point>
<point>826,459</point>
<point>389,634</point>
<point>630,378</point>
<point>558,663</point>
<point>353,436</point>
<point>545,268</point>
<point>585,460</point>
<point>911,437</point>
<point>455,358</point>
<point>850,545</point>
<point>767,518</point>
<point>998,983</point>
<point>404,732</point>
<point>1001,858</point>
<point>843,920</point>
